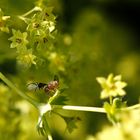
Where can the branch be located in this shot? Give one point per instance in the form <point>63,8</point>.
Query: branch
<point>14,88</point>
<point>80,108</point>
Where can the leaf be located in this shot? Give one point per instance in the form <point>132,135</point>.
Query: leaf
<point>42,126</point>
<point>118,103</point>
<point>63,89</point>
<point>110,112</point>
<point>71,123</point>
<point>113,110</point>
<point>60,100</point>
<point>107,107</point>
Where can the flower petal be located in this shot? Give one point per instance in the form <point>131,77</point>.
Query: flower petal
<point>120,84</point>
<point>121,92</point>
<point>104,94</point>
<point>101,81</point>
<point>118,78</point>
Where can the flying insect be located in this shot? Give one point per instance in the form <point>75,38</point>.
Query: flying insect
<point>49,87</point>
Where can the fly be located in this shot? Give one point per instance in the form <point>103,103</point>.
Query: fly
<point>47,87</point>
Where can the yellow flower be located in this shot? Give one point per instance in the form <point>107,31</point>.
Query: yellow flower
<point>111,86</point>
<point>57,61</point>
<point>27,58</point>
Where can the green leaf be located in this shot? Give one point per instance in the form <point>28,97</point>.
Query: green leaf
<point>63,89</point>
<point>113,111</point>
<point>60,100</point>
<point>107,107</point>
<point>110,112</point>
<point>118,103</point>
<point>42,126</point>
<point>71,123</point>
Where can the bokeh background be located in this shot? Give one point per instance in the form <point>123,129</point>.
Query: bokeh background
<point>97,37</point>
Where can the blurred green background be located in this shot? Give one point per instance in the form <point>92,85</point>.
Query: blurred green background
<point>97,37</point>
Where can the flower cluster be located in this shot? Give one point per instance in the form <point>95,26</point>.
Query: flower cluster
<point>41,27</point>
<point>34,43</point>
<point>57,60</point>
<point>27,58</point>
<point>111,86</point>
<point>20,42</point>
<point>129,130</point>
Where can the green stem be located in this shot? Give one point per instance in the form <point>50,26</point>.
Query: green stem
<point>23,17</point>
<point>48,130</point>
<point>79,108</point>
<point>50,137</point>
<point>14,88</point>
<point>111,100</point>
<point>53,97</point>
<point>43,127</point>
<point>31,11</point>
<point>131,107</point>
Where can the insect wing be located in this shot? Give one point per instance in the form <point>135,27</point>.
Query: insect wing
<point>32,86</point>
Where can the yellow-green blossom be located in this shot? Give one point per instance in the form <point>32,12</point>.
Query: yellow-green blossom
<point>27,58</point>
<point>3,19</point>
<point>111,86</point>
<point>57,61</point>
<point>19,40</point>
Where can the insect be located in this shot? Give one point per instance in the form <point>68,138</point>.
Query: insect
<point>49,87</point>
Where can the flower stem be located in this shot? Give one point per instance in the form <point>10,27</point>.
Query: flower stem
<point>131,107</point>
<point>50,137</point>
<point>24,16</point>
<point>79,108</point>
<point>53,97</point>
<point>14,88</point>
<point>111,100</point>
<point>32,10</point>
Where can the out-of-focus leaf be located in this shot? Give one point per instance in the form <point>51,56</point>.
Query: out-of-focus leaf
<point>71,123</point>
<point>61,100</point>
<point>118,103</point>
<point>107,107</point>
<point>113,112</point>
<point>63,89</point>
<point>42,126</point>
